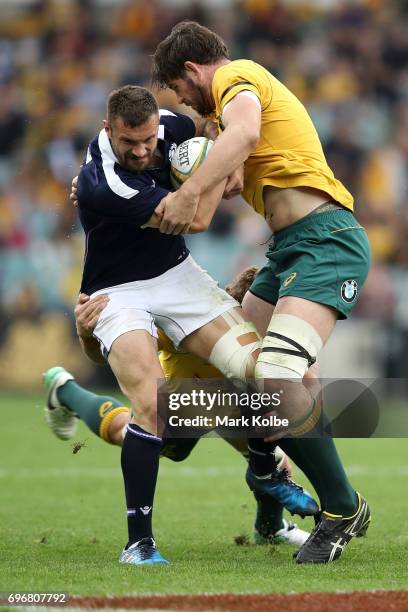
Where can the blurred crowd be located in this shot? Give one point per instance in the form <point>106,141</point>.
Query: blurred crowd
<point>346,60</point>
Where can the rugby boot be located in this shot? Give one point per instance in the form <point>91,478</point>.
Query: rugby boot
<point>61,420</point>
<point>332,533</point>
<point>279,486</point>
<point>143,552</point>
<point>290,533</point>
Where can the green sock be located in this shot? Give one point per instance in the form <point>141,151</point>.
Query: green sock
<point>319,461</point>
<point>95,410</point>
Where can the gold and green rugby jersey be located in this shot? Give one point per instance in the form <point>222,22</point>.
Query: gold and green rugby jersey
<point>179,366</point>
<point>164,343</point>
<point>289,152</point>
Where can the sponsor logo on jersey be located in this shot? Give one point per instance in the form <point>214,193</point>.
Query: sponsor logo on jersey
<point>172,151</point>
<point>349,291</point>
<point>290,278</point>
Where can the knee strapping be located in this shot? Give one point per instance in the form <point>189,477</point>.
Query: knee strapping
<point>289,348</point>
<point>231,354</point>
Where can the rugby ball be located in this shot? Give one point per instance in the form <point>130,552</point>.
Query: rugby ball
<point>187,157</point>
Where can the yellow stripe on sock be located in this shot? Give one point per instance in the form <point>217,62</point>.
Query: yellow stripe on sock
<point>107,420</point>
<point>310,421</point>
<point>346,517</point>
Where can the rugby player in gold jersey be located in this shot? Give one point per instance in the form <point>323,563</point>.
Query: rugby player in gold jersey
<point>317,263</point>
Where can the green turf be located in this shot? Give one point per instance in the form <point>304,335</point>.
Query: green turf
<point>62,519</point>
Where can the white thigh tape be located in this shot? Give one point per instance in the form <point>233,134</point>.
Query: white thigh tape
<point>231,357</point>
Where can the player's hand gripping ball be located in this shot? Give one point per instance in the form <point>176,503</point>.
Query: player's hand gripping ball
<point>187,157</point>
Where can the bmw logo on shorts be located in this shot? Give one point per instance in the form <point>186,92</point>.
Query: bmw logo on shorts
<point>349,291</point>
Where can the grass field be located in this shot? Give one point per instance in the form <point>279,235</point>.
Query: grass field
<point>62,519</point>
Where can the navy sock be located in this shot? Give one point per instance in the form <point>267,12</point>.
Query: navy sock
<point>140,465</point>
<point>261,456</point>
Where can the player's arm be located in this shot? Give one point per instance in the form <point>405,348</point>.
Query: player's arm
<point>87,312</point>
<point>242,121</point>
<point>207,206</point>
<point>205,127</point>
<point>235,182</point>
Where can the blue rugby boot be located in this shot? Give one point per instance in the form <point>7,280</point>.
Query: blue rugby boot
<point>143,552</point>
<point>279,486</point>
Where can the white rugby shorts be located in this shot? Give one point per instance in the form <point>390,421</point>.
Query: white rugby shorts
<point>180,301</point>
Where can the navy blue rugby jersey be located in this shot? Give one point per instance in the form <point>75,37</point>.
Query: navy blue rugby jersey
<point>113,203</point>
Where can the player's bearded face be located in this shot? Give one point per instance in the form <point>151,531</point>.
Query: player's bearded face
<point>134,147</point>
<point>193,94</point>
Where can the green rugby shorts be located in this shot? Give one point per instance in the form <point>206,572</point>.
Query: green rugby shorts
<point>323,257</point>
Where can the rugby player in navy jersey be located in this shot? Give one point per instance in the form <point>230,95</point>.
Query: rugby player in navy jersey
<point>108,418</point>
<point>151,280</point>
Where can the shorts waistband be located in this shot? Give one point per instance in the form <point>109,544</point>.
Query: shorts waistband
<point>312,219</point>
<point>330,205</point>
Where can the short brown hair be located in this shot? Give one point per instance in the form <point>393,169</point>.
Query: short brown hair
<point>238,287</point>
<point>134,104</point>
<point>188,41</point>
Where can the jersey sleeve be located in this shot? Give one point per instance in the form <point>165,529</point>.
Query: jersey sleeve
<point>230,81</point>
<point>180,126</point>
<point>126,199</point>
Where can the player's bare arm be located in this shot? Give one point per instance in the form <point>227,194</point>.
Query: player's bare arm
<point>205,127</point>
<point>207,206</point>
<point>235,182</point>
<point>242,122</point>
<point>205,211</point>
<point>87,312</point>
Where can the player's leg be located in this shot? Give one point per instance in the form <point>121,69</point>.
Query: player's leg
<point>231,344</point>
<point>335,492</point>
<point>133,359</point>
<point>317,457</point>
<point>259,311</point>
<point>313,263</point>
<point>345,513</point>
<point>108,418</point>
<point>67,402</point>
<point>270,526</point>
